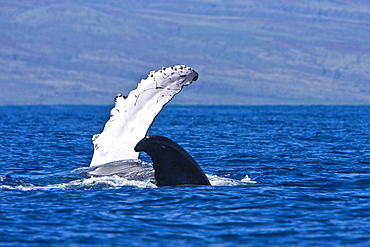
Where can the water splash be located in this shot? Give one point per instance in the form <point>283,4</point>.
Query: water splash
<point>224,181</point>
<point>107,182</point>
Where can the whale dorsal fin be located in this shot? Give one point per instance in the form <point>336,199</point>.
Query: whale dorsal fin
<point>172,164</point>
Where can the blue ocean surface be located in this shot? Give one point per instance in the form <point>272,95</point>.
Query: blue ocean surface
<point>281,175</point>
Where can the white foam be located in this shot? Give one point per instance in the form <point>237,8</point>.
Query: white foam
<point>117,182</point>
<point>88,183</point>
<point>224,181</point>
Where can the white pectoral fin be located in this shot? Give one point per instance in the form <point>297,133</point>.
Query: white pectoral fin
<point>133,115</point>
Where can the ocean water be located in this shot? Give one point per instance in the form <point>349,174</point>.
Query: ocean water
<point>281,175</point>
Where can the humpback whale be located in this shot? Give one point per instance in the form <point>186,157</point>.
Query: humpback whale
<point>117,148</point>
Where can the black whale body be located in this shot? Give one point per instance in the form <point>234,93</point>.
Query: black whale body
<point>172,164</point>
